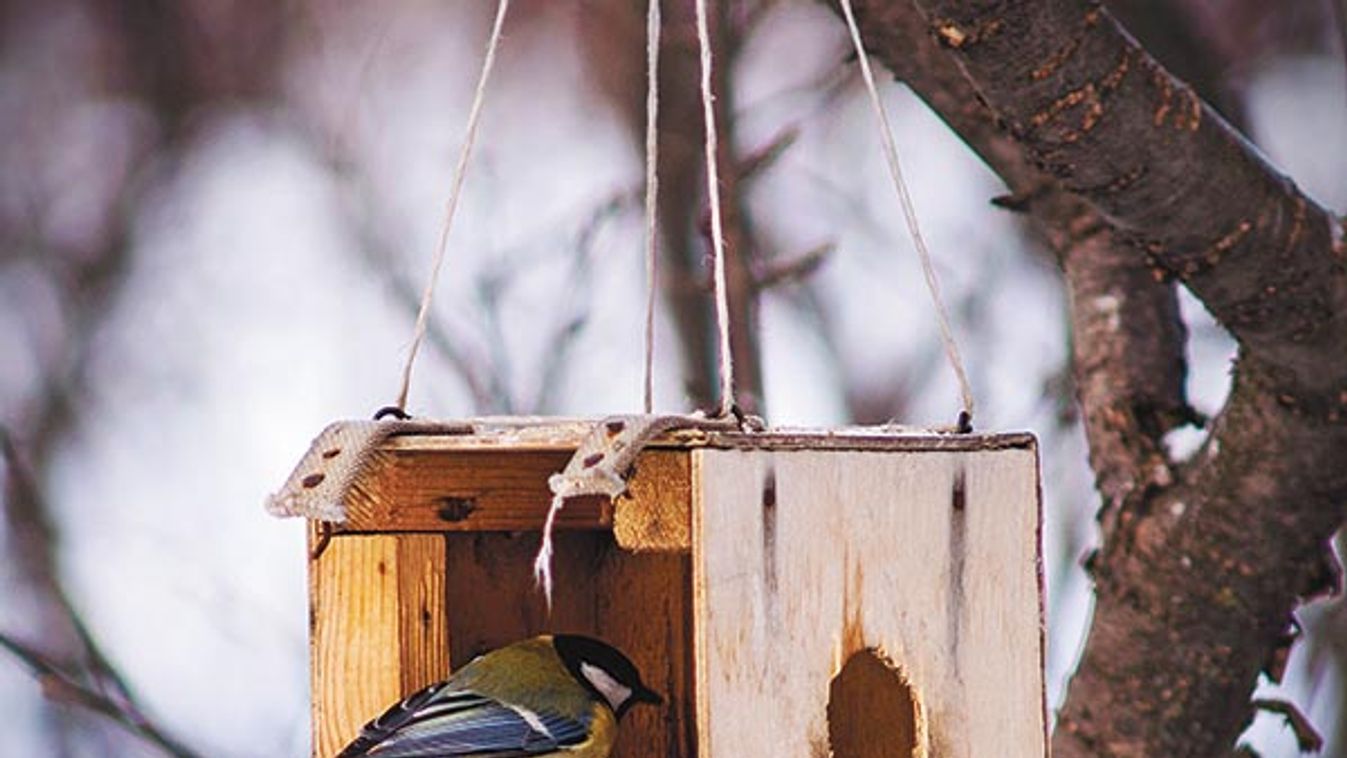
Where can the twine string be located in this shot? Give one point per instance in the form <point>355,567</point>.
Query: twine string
<point>451,206</point>
<point>652,34</point>
<point>910,216</point>
<point>726,360</point>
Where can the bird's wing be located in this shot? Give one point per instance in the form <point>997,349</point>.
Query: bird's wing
<point>443,722</point>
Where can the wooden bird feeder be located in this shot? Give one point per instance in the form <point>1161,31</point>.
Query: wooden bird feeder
<point>793,594</point>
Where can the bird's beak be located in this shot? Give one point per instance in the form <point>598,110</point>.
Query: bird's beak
<point>647,695</point>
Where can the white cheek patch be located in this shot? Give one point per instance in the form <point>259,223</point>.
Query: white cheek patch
<point>615,692</point>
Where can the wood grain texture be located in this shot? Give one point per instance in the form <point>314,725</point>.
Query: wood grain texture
<point>481,489</point>
<point>931,559</point>
<point>656,512</point>
<point>645,609</point>
<point>476,484</point>
<point>377,629</point>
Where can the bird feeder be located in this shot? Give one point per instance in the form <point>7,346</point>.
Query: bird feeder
<point>858,593</point>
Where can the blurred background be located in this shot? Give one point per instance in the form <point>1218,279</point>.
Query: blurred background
<point>217,218</point>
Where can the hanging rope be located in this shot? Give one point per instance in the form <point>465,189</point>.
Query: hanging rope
<point>652,30</point>
<point>455,190</point>
<point>717,235</point>
<point>910,215</point>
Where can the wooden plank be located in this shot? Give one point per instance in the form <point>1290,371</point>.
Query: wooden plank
<point>378,628</point>
<point>409,489</point>
<point>491,482</point>
<point>423,625</point>
<point>465,490</point>
<point>930,560</point>
<point>880,439</point>
<point>566,434</point>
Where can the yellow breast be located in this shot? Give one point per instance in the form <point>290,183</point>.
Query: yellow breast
<point>602,735</point>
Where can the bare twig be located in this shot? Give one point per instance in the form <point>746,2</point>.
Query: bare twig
<point>107,691</point>
<point>64,687</point>
<point>794,270</point>
<point>754,164</point>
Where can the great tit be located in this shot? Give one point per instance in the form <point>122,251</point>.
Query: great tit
<point>558,696</point>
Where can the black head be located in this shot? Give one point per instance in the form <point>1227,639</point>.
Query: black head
<point>604,671</point>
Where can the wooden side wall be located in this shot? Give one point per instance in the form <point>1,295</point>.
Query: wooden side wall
<point>929,560</point>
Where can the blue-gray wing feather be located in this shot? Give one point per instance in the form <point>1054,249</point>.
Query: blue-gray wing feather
<point>446,723</point>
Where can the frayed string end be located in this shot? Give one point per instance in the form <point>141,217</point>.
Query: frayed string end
<point>542,564</point>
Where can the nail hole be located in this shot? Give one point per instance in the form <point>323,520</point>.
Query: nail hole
<point>313,480</point>
<point>959,493</point>
<point>332,452</point>
<point>455,509</point>
<point>593,460</point>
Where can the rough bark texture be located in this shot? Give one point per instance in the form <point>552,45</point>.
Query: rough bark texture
<point>1203,562</point>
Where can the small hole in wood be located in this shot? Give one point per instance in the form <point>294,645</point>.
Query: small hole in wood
<point>455,509</point>
<point>313,480</point>
<point>872,711</point>
<point>332,452</point>
<point>593,460</point>
<point>615,427</point>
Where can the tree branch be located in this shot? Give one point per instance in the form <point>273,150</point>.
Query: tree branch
<point>1103,117</point>
<point>62,687</point>
<point>107,691</point>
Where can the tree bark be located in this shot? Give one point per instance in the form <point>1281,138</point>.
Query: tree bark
<point>1204,561</point>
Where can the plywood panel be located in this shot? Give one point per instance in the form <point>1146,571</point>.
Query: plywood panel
<point>804,559</point>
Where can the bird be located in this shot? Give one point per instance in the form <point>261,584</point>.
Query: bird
<point>550,696</point>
